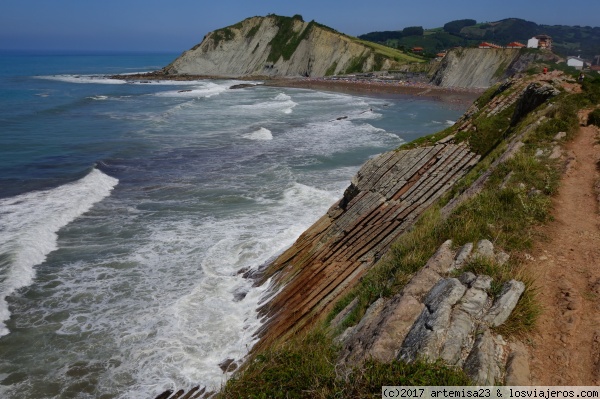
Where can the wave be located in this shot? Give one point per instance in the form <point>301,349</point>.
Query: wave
<point>98,98</point>
<point>282,102</point>
<point>86,79</point>
<point>207,90</point>
<point>260,134</point>
<point>29,224</point>
<point>282,97</point>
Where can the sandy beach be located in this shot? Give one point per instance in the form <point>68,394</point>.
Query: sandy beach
<point>378,86</point>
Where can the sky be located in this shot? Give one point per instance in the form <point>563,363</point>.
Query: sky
<point>177,25</point>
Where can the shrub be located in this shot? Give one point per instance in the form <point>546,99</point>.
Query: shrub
<point>594,118</point>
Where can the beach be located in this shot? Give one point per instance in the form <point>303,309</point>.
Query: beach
<point>352,85</point>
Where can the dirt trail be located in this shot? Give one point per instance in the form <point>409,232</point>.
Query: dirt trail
<point>565,350</point>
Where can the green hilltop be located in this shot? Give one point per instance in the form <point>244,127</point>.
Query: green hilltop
<point>567,40</point>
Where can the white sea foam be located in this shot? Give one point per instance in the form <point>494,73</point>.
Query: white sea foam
<point>282,97</point>
<point>260,134</point>
<point>449,122</point>
<point>86,79</point>
<point>176,337</point>
<point>282,103</point>
<point>205,90</point>
<point>327,138</point>
<point>29,224</point>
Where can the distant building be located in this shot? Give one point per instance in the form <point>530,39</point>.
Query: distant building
<point>576,62</point>
<point>533,43</point>
<point>540,41</point>
<point>488,45</point>
<point>417,49</point>
<point>515,45</point>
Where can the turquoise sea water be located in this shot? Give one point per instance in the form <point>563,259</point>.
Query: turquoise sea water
<point>128,210</point>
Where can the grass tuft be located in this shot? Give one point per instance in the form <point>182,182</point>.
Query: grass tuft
<point>306,368</point>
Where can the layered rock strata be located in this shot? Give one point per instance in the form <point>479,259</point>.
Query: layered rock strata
<point>437,317</point>
<point>482,68</point>
<point>386,196</point>
<point>281,46</point>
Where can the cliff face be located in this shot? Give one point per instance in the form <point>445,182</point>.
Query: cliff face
<point>482,68</point>
<point>282,46</point>
<point>385,198</point>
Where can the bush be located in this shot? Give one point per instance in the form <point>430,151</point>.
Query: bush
<point>594,118</point>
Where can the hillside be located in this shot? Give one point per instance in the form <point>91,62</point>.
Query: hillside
<point>284,46</point>
<point>567,40</point>
<point>482,68</point>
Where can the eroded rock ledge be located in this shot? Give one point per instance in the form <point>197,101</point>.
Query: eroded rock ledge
<point>386,196</point>
<point>440,317</point>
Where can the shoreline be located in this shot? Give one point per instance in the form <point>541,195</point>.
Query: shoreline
<point>462,96</point>
<point>349,85</point>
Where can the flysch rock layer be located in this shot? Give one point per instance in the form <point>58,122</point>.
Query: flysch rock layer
<point>436,317</point>
<point>385,197</point>
<point>246,52</point>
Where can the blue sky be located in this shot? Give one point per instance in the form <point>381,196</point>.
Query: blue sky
<point>176,25</point>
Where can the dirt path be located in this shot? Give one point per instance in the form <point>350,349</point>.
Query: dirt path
<point>566,348</point>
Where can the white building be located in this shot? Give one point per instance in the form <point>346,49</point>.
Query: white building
<point>576,62</point>
<point>533,43</point>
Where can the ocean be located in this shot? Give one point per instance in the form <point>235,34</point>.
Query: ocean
<point>129,212</point>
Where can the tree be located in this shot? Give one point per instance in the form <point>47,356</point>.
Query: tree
<point>454,27</point>
<point>413,31</point>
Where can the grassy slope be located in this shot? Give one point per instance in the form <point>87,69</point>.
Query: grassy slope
<point>306,367</point>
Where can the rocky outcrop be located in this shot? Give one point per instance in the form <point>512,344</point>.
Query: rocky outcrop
<point>386,196</point>
<point>281,46</point>
<point>532,97</point>
<point>482,68</point>
<point>437,317</point>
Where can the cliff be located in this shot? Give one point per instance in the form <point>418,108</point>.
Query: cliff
<point>385,198</point>
<point>283,46</point>
<point>482,68</point>
<point>400,270</point>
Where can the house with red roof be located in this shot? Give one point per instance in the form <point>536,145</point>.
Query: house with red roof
<point>515,45</point>
<point>488,45</point>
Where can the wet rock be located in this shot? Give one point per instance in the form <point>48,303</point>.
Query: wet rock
<point>241,86</point>
<point>228,365</point>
